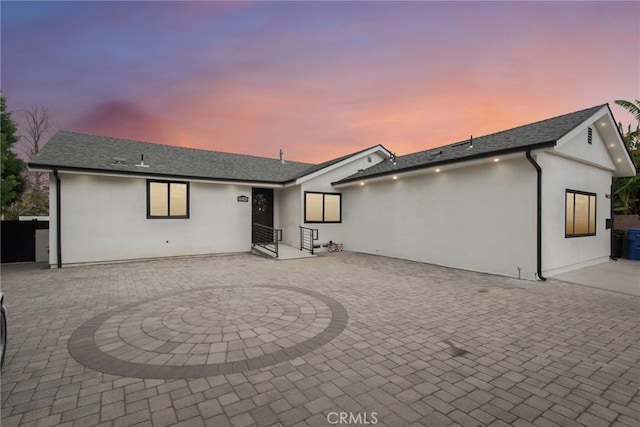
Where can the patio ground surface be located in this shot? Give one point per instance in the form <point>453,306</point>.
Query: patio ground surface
<point>338,339</point>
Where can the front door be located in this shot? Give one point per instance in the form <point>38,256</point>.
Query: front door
<point>262,209</point>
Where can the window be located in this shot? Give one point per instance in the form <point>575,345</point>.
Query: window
<point>322,207</point>
<point>580,214</point>
<point>167,199</point>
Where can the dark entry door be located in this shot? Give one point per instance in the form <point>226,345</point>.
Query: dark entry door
<point>262,209</point>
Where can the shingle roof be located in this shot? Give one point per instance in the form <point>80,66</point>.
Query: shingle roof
<point>76,151</point>
<point>541,133</point>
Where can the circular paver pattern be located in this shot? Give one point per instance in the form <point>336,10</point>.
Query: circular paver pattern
<point>208,331</point>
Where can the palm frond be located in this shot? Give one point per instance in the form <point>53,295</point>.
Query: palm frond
<point>633,108</point>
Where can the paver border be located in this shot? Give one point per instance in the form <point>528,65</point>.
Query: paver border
<point>82,346</point>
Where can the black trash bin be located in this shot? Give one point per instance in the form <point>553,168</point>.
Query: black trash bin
<point>618,241</point>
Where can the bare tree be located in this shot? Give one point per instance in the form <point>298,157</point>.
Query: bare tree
<point>35,128</point>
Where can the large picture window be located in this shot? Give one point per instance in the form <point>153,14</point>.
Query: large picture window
<point>580,213</point>
<point>167,199</point>
<point>322,207</point>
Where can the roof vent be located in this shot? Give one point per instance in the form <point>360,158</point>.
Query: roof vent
<point>589,135</point>
<point>470,143</point>
<point>436,154</point>
<point>141,164</point>
<point>282,156</point>
<point>119,161</point>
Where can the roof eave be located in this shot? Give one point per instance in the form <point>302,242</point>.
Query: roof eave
<point>142,174</point>
<point>310,175</point>
<point>540,145</point>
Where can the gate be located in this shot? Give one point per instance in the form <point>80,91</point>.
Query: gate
<point>19,240</point>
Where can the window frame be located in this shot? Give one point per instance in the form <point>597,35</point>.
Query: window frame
<point>168,215</point>
<point>573,234</point>
<point>324,194</point>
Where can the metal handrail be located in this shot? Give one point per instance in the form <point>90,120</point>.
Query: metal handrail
<point>266,237</point>
<point>307,238</point>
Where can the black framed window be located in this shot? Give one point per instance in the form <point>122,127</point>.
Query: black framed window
<point>322,207</point>
<point>580,213</point>
<point>167,199</point>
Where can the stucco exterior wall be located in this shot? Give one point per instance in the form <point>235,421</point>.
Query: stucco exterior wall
<point>105,219</point>
<point>562,254</point>
<point>480,218</point>
<point>322,183</point>
<point>575,145</point>
<point>290,219</point>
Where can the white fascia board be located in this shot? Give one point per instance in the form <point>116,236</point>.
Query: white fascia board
<point>176,178</point>
<point>434,169</point>
<point>372,150</point>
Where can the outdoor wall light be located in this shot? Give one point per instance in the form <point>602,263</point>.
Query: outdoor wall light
<point>496,160</point>
<point>437,170</point>
<point>361,184</point>
<point>395,177</point>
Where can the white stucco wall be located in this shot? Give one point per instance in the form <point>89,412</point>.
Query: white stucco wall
<point>562,254</point>
<point>575,146</point>
<point>105,219</point>
<point>480,218</point>
<point>322,183</point>
<point>290,219</point>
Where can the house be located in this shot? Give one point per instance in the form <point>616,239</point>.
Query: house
<point>114,200</point>
<point>526,202</point>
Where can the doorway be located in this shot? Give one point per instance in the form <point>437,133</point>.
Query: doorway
<point>261,210</point>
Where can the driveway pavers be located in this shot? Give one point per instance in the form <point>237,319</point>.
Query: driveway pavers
<point>339,339</point>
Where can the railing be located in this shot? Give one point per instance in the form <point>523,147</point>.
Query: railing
<point>266,237</point>
<point>307,238</point>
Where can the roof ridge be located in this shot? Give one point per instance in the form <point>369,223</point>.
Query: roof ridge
<point>177,146</point>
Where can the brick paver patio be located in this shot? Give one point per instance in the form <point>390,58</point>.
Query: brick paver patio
<point>242,340</point>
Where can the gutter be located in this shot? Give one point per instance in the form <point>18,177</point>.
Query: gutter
<point>150,175</point>
<point>58,219</point>
<point>354,178</point>
<point>538,215</point>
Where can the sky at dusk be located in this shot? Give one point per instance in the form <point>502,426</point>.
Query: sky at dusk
<point>318,80</point>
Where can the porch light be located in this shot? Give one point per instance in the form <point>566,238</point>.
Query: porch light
<point>438,170</point>
<point>361,184</point>
<point>496,160</point>
<point>395,177</point>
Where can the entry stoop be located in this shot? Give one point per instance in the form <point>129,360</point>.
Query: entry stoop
<point>284,252</point>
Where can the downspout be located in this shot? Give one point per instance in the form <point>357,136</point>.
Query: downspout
<point>58,220</point>
<point>538,216</point>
